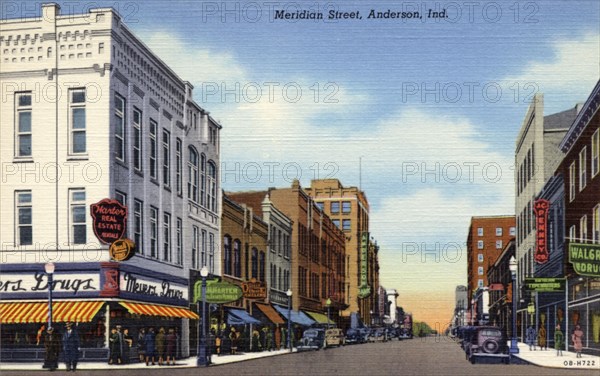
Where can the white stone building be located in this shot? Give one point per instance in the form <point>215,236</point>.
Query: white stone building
<point>88,113</point>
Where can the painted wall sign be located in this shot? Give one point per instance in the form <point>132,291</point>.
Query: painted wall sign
<point>540,207</point>
<point>137,284</point>
<point>364,290</point>
<point>585,259</point>
<point>38,282</point>
<point>545,284</point>
<point>122,250</point>
<point>110,220</point>
<point>218,292</point>
<point>254,289</point>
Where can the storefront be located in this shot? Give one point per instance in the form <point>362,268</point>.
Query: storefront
<point>584,310</point>
<point>94,296</point>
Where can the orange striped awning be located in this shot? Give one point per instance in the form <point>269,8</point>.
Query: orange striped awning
<point>37,312</point>
<point>270,312</point>
<point>159,310</point>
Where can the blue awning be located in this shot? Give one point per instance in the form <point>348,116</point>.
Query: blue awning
<point>298,317</point>
<point>240,317</point>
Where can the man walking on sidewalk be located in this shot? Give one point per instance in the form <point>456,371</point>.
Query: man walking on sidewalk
<point>559,339</point>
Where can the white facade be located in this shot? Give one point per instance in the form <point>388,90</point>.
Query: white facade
<point>392,296</point>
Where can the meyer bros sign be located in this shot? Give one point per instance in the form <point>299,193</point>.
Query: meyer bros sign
<point>585,259</point>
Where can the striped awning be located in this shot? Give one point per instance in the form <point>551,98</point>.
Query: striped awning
<point>159,310</point>
<point>270,312</point>
<point>37,312</point>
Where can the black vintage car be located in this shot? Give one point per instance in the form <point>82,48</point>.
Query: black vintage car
<point>312,339</point>
<point>486,343</point>
<point>357,335</point>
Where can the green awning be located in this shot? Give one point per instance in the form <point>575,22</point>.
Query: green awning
<point>319,318</point>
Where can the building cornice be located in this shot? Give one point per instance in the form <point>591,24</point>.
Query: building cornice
<point>583,118</point>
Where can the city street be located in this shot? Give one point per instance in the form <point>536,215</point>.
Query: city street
<point>425,356</point>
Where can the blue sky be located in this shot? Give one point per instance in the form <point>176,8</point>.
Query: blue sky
<point>484,62</point>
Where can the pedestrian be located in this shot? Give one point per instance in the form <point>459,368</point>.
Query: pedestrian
<point>277,337</point>
<point>150,341</point>
<point>141,344</point>
<point>116,346</point>
<point>542,343</point>
<point>256,341</point>
<point>160,346</point>
<point>171,340</point>
<point>269,340</point>
<point>218,341</point>
<point>233,337</point>
<point>70,343</point>
<point>52,346</point>
<point>559,339</point>
<point>127,343</point>
<point>530,336</point>
<point>577,339</point>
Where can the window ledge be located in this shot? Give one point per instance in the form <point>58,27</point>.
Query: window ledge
<point>22,159</point>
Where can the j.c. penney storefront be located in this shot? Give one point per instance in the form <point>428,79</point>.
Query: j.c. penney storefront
<point>96,297</point>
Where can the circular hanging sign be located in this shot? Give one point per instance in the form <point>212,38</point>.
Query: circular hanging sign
<point>122,250</point>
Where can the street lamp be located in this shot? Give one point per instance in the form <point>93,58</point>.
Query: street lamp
<point>49,267</point>
<point>202,359</point>
<point>512,266</point>
<point>328,304</point>
<point>289,337</point>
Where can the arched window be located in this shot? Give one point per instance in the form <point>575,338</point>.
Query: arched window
<point>237,265</point>
<point>192,184</point>
<point>211,187</point>
<point>227,254</point>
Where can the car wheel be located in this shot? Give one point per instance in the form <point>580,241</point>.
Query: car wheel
<point>472,360</point>
<point>490,346</point>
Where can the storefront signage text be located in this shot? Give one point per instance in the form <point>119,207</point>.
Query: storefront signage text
<point>254,289</point>
<point>545,284</point>
<point>585,259</point>
<point>217,292</point>
<point>110,219</point>
<point>541,218</point>
<point>364,290</point>
<point>165,289</point>
<point>38,282</point>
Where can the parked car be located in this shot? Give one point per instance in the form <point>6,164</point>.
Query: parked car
<point>312,339</point>
<point>464,335</point>
<point>378,335</point>
<point>486,343</point>
<point>357,335</point>
<point>334,337</point>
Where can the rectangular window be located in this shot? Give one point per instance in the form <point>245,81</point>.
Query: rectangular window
<point>480,257</point>
<point>178,166</point>
<point>512,231</point>
<point>479,231</point>
<point>498,231</point>
<point>336,222</point>
<point>596,224</point>
<point>211,254</point>
<point>24,210</point>
<point>167,237</point>
<point>153,232</point>
<point>346,225</point>
<point>166,146</point>
<point>179,245</point>
<point>480,244</point>
<point>203,249</point>
<point>78,127</point>
<point>582,168</point>
<point>573,233</point>
<point>498,244</point>
<point>480,283</point>
<point>120,145</point>
<point>572,175</point>
<point>121,197</point>
<point>78,216</point>
<point>138,226</point>
<point>23,132</point>
<point>346,207</point>
<point>195,246</point>
<point>137,139</point>
<point>583,229</point>
<point>596,152</point>
<point>153,149</point>
<point>320,205</point>
<point>480,270</point>
<point>335,207</point>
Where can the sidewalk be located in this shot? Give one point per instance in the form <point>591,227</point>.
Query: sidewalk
<point>548,358</point>
<point>181,363</point>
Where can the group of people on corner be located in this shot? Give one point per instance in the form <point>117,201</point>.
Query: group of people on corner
<point>120,343</point>
<point>68,343</point>
<point>158,347</point>
<point>267,338</point>
<point>559,339</point>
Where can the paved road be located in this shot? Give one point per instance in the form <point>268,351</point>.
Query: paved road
<point>428,356</point>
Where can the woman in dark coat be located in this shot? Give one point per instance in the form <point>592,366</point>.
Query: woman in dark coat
<point>52,345</point>
<point>171,346</point>
<point>160,346</point>
<point>149,340</point>
<point>141,344</point>
<point>70,342</point>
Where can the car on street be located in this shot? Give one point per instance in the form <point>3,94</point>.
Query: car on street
<point>357,335</point>
<point>486,343</point>
<point>378,335</point>
<point>334,337</point>
<point>312,339</point>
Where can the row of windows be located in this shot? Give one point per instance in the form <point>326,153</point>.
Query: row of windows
<point>280,242</point>
<point>499,231</point>
<point>280,278</point>
<point>232,260</point>
<point>526,170</point>
<point>320,286</point>
<point>578,169</point>
<point>480,244</point>
<point>346,224</point>
<point>201,173</point>
<point>583,236</point>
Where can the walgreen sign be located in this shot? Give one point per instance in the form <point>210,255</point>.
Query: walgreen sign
<point>217,292</point>
<point>585,259</point>
<point>545,284</point>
